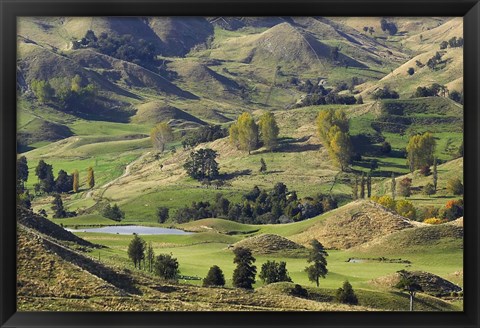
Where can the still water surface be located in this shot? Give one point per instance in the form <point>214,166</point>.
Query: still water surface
<point>128,230</point>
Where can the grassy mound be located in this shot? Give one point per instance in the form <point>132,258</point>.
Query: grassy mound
<point>415,240</point>
<point>353,224</point>
<point>154,112</point>
<point>269,243</point>
<point>431,283</point>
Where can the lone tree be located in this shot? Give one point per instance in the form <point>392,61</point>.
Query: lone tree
<point>333,127</point>
<point>76,181</point>
<point>202,165</point>
<point>58,210</point>
<point>263,166</point>
<point>90,177</point>
<point>150,257</point>
<point>346,295</point>
<point>244,273</point>
<point>214,277</point>
<point>244,133</point>
<point>274,272</point>
<point>420,150</point>
<point>113,212</point>
<point>318,268</point>
<point>160,135</point>
<point>166,267</point>
<point>269,131</point>
<point>409,285</point>
<point>136,250</point>
<point>162,214</point>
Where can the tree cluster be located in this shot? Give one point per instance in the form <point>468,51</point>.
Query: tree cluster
<point>385,93</point>
<point>124,47</point>
<point>434,90</point>
<point>70,95</point>
<point>274,272</point>
<point>204,134</point>
<point>454,42</point>
<point>245,134</point>
<point>402,207</point>
<point>113,212</point>
<point>202,164</point>
<point>333,129</point>
<point>259,207</point>
<point>389,27</point>
<point>434,61</point>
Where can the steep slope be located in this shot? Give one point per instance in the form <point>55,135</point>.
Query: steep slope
<point>180,34</point>
<point>200,77</point>
<point>430,39</point>
<point>411,241</point>
<point>449,72</point>
<point>353,224</point>
<point>284,45</point>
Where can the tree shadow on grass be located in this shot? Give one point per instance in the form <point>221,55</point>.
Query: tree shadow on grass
<point>235,174</point>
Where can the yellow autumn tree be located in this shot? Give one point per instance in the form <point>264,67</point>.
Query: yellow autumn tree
<point>269,130</point>
<point>245,133</point>
<point>333,127</point>
<point>90,177</point>
<point>420,150</point>
<point>160,135</point>
<point>76,182</point>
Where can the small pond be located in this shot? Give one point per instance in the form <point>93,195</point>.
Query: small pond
<point>131,229</point>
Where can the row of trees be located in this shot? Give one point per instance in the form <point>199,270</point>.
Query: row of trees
<point>259,207</point>
<point>70,95</point>
<point>454,42</point>
<point>245,134</point>
<point>167,267</point>
<point>62,184</point>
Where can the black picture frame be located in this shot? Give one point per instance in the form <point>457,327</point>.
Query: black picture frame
<point>10,10</point>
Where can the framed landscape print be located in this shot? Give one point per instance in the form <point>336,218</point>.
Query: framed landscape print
<point>211,163</point>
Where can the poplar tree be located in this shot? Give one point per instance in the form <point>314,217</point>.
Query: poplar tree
<point>362,187</point>
<point>90,177</point>
<point>269,131</point>
<point>75,181</point>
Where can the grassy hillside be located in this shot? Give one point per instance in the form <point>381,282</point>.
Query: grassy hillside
<point>191,72</point>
